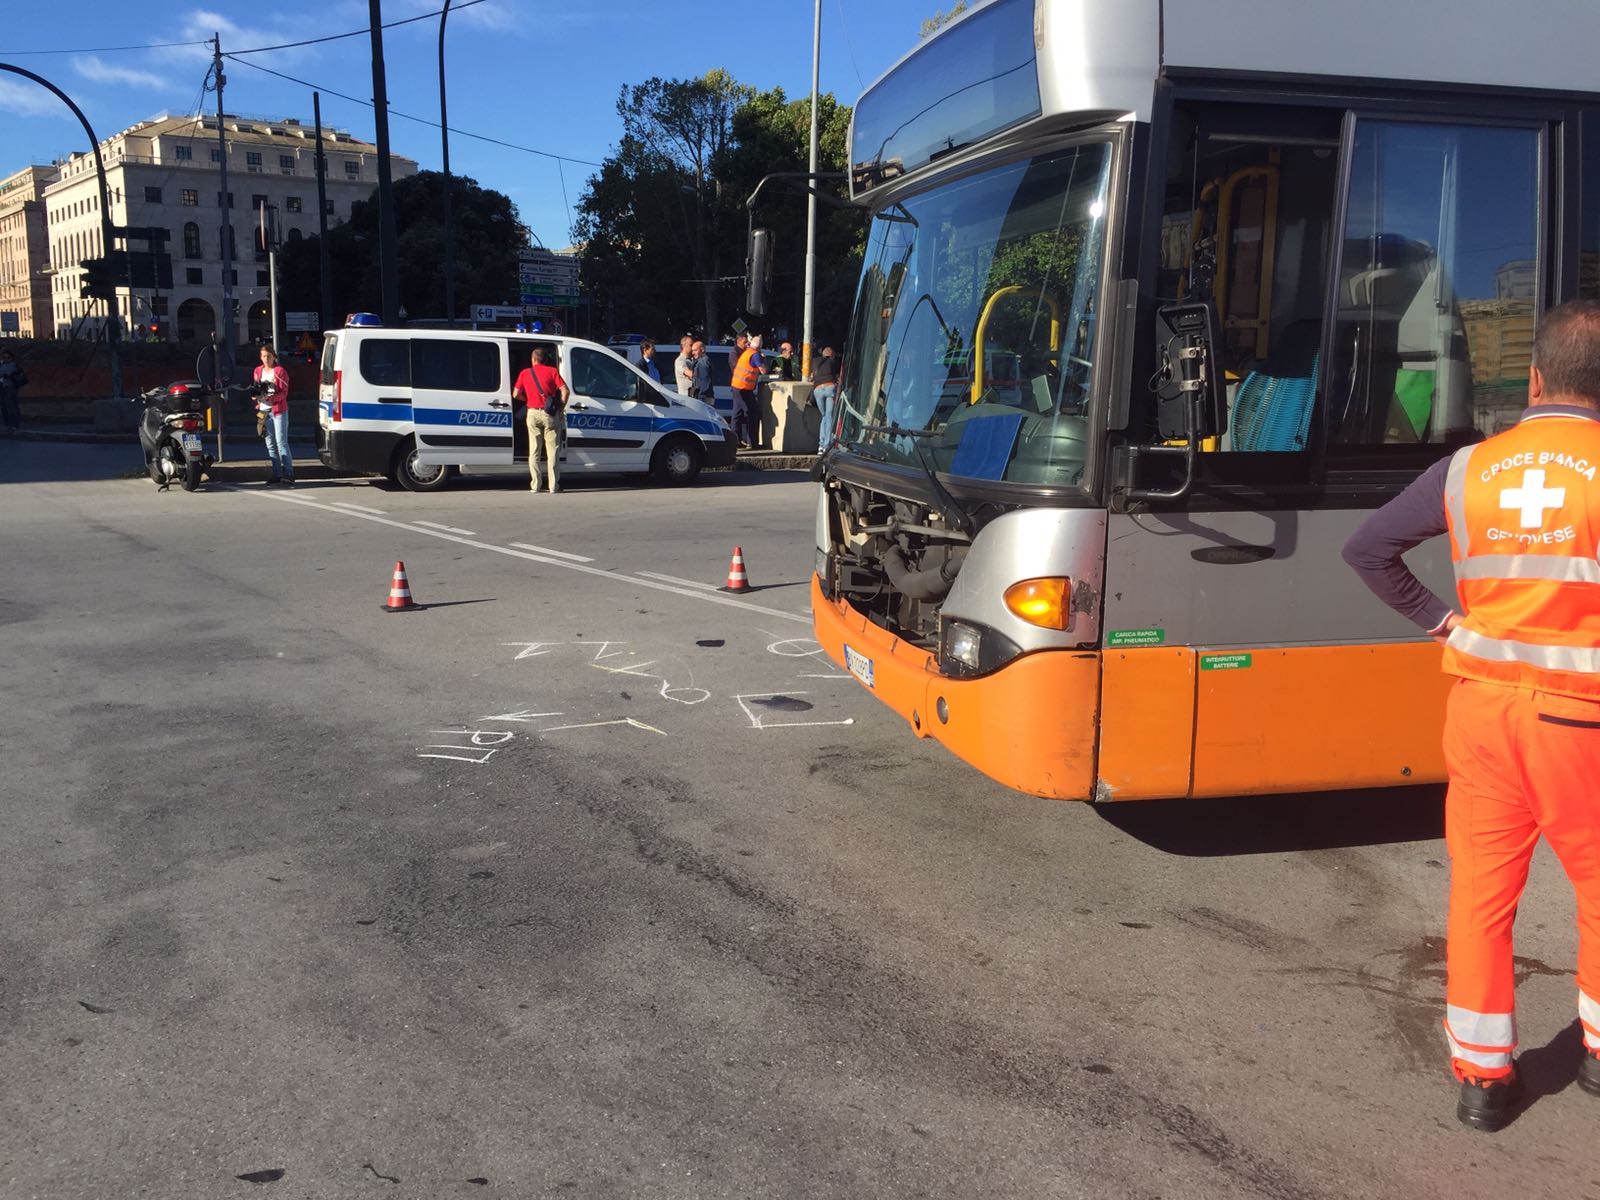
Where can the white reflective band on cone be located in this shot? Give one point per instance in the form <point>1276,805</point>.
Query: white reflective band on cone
<point>1554,567</point>
<point>1483,1039</point>
<point>1583,660</point>
<point>1589,1014</point>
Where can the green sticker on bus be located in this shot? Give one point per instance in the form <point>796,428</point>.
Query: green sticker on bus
<point>1224,662</point>
<point>1136,637</point>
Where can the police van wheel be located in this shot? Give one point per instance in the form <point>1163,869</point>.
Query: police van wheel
<point>677,461</point>
<point>415,476</point>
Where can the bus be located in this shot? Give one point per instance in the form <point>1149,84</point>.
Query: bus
<point>1159,302</point>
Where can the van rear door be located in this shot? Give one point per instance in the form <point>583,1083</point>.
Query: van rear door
<point>460,401</point>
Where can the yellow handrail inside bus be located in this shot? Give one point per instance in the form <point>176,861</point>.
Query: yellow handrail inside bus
<point>1259,323</point>
<point>983,326</point>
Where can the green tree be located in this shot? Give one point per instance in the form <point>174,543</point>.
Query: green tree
<point>488,236</point>
<point>940,19</point>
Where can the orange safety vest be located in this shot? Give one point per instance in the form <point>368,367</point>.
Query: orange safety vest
<point>745,375</point>
<point>1524,516</point>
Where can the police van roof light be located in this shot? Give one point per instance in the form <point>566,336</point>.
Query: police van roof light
<point>364,318</point>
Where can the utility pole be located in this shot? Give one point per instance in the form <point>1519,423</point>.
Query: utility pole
<point>444,138</point>
<point>229,341</point>
<point>388,251</point>
<point>811,200</point>
<point>326,280</point>
<point>267,219</point>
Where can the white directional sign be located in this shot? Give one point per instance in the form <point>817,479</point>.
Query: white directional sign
<point>498,312</point>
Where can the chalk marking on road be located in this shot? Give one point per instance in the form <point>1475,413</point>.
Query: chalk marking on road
<point>547,550</point>
<point>705,587</point>
<point>757,723</point>
<point>603,724</point>
<point>532,649</point>
<point>446,528</point>
<point>835,675</point>
<point>501,736</point>
<point>461,757</point>
<point>816,646</point>
<point>604,651</point>
<point>521,715</point>
<point>360,508</point>
<point>601,572</point>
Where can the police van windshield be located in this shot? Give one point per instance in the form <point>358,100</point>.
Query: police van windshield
<point>972,342</point>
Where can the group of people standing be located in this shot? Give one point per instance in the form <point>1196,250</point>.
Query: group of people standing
<point>692,372</point>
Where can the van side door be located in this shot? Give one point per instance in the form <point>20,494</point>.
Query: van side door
<point>460,401</point>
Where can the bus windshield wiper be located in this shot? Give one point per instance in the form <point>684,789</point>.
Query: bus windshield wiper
<point>949,507</point>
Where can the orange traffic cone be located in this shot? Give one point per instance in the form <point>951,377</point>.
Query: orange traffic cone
<point>400,592</point>
<point>738,581</point>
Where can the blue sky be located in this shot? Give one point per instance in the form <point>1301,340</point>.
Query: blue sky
<point>540,73</point>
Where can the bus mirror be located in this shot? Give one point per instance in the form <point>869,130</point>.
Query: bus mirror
<point>1193,401</point>
<point>758,270</point>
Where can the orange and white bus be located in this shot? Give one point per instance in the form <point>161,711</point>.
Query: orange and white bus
<point>1159,301</point>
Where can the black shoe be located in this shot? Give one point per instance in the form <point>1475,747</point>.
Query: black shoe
<point>1589,1074</point>
<point>273,480</point>
<point>1488,1105</point>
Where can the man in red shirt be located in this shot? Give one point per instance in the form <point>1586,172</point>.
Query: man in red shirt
<point>542,389</point>
<point>275,403</point>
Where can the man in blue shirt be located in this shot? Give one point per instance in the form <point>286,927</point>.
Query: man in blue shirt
<point>647,354</point>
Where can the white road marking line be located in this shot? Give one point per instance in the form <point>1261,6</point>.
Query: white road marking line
<point>377,512</point>
<point>603,724</point>
<point>694,583</point>
<point>547,550</point>
<point>446,528</point>
<point>708,597</point>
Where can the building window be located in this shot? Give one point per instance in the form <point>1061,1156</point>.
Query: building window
<point>191,240</point>
<point>257,200</point>
<point>292,203</point>
<point>286,161</point>
<point>158,306</point>
<point>252,158</point>
<point>193,277</point>
<point>152,195</point>
<point>294,235</point>
<point>183,153</point>
<point>352,168</point>
<point>263,279</point>
<point>216,155</point>
<point>224,201</point>
<point>191,198</point>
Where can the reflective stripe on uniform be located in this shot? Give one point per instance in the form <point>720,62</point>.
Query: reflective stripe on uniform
<point>1589,1014</point>
<point>1455,497</point>
<point>1583,660</point>
<point>1530,566</point>
<point>1482,1039</point>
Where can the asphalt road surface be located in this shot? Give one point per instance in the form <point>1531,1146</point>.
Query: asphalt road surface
<point>587,880</point>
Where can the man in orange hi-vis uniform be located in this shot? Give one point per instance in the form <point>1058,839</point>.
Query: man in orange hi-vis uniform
<point>1522,730</point>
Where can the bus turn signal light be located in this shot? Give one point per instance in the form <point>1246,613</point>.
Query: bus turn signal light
<point>1045,602</point>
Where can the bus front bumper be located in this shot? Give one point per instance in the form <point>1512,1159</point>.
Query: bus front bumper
<point>1030,725</point>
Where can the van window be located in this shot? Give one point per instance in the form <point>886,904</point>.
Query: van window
<point>386,362</point>
<point>601,376</point>
<point>455,366</point>
<point>330,349</point>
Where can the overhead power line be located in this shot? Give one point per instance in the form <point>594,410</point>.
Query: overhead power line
<point>332,37</point>
<point>419,120</point>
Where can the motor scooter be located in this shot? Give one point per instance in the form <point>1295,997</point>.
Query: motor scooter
<point>169,434</point>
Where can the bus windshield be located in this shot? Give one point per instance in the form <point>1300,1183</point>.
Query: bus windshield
<point>971,349</point>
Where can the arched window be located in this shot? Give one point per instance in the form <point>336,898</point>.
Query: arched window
<point>294,235</point>
<point>191,240</point>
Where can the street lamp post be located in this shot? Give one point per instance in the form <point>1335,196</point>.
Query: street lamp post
<point>811,200</point>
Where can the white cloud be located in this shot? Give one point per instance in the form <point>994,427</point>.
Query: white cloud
<point>92,67</point>
<point>199,24</point>
<point>30,100</point>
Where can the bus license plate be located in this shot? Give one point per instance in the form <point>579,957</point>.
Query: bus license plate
<point>860,665</point>
<point>191,443</point>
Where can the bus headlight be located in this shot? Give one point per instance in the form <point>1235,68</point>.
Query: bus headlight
<point>963,644</point>
<point>967,648</point>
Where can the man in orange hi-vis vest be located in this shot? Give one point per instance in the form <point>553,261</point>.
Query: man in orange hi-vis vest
<point>747,373</point>
<point>1522,730</point>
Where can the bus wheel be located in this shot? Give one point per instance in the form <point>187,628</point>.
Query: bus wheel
<point>677,460</point>
<point>415,476</point>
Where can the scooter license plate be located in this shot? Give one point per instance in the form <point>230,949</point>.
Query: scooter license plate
<point>191,443</point>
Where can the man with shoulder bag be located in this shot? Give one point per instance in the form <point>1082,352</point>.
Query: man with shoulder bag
<point>542,389</point>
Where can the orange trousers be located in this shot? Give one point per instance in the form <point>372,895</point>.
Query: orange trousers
<point>1522,763</point>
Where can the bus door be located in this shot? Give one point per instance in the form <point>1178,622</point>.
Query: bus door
<point>460,401</point>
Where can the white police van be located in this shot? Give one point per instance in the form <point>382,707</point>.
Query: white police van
<point>420,405</point>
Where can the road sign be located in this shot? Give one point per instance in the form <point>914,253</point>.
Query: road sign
<point>10,322</point>
<point>498,312</point>
<point>301,322</point>
<point>739,326</point>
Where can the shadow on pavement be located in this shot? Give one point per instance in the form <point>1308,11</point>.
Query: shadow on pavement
<point>64,462</point>
<point>1281,824</point>
<point>1550,1068</point>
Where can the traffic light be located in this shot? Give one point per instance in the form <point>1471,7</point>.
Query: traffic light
<point>99,279</point>
<point>155,330</point>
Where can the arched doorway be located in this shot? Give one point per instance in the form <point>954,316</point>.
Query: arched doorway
<point>259,321</point>
<point>197,321</point>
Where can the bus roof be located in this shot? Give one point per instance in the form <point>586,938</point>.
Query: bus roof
<point>1008,61</point>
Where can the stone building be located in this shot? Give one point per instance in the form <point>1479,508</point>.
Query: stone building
<point>25,254</point>
<point>165,173</point>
